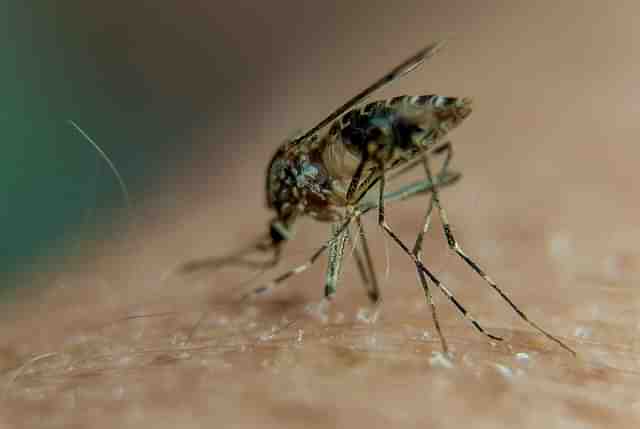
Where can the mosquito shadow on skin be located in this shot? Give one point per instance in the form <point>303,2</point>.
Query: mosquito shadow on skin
<point>202,265</point>
<point>270,306</point>
<point>214,270</point>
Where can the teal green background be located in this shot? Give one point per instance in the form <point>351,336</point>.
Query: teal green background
<point>141,78</point>
<point>56,66</point>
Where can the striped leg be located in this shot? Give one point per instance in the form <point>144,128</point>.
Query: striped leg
<point>453,245</point>
<point>336,255</point>
<point>417,248</point>
<point>446,147</point>
<point>361,264</point>
<point>418,188</point>
<point>385,226</point>
<point>445,177</point>
<point>364,260</point>
<point>279,281</point>
<point>365,265</point>
<point>406,192</point>
<point>417,251</point>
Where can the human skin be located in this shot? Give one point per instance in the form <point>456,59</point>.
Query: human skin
<point>547,206</point>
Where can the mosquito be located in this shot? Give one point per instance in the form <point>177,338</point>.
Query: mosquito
<point>338,171</point>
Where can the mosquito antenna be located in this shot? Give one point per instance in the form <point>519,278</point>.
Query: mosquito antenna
<point>103,155</point>
<point>399,71</point>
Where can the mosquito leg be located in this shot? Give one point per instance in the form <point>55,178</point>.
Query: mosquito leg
<point>396,172</point>
<point>444,176</point>
<point>419,188</point>
<point>406,192</point>
<point>355,180</point>
<point>385,226</point>
<point>417,251</point>
<point>453,245</point>
<point>446,147</point>
<point>372,285</point>
<point>278,281</point>
<point>362,269</point>
<point>362,265</point>
<point>266,287</point>
<point>336,255</point>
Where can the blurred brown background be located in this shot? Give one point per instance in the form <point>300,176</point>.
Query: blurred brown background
<point>547,206</point>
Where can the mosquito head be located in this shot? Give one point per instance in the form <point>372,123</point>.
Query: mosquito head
<point>283,196</point>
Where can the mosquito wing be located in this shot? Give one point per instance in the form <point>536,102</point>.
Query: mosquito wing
<point>402,69</point>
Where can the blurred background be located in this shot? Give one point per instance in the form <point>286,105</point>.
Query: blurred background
<point>138,77</point>
<point>142,78</point>
<point>191,98</point>
<point>181,94</point>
